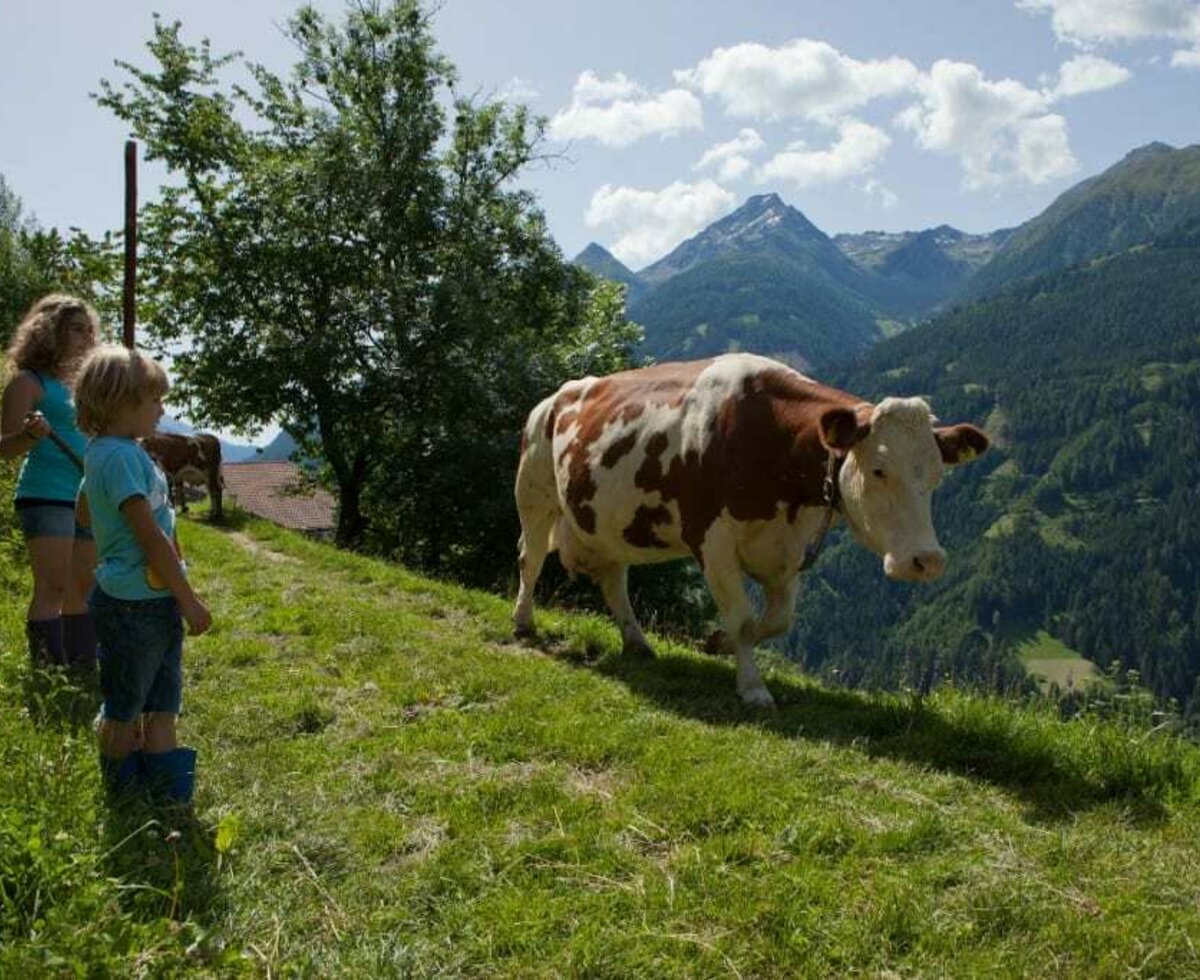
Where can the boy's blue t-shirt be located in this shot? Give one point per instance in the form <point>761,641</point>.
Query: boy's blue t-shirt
<point>116,469</point>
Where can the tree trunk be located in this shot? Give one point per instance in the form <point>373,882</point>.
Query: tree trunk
<point>351,523</point>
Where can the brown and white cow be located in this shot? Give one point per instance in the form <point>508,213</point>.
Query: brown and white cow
<point>726,460</point>
<point>192,459</point>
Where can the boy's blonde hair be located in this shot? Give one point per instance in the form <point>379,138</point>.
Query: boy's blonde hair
<point>39,341</point>
<point>111,380</point>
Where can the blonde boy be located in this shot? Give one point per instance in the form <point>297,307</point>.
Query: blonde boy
<point>142,591</point>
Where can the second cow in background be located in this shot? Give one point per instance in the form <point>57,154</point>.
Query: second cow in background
<point>192,459</point>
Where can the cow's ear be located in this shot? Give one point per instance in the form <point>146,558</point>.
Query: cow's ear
<point>961,443</point>
<point>840,429</point>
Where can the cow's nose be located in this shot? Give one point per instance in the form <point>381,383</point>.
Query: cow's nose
<point>929,565</point>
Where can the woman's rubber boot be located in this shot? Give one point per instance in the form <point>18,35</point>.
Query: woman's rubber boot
<point>171,775</point>
<point>79,643</point>
<point>121,776</point>
<point>45,642</point>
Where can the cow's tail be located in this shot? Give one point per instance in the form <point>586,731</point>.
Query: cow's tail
<point>536,489</point>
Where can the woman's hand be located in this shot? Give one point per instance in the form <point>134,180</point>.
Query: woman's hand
<point>18,406</point>
<point>36,426</point>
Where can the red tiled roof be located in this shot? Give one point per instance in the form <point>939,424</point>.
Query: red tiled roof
<point>276,492</point>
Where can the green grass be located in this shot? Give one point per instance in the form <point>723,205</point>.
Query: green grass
<point>891,328</point>
<point>388,785</point>
<point>1052,662</point>
<point>1043,646</point>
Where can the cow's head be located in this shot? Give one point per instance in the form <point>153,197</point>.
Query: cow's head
<point>894,459</point>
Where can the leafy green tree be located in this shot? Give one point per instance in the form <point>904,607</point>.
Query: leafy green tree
<point>34,262</point>
<point>346,251</point>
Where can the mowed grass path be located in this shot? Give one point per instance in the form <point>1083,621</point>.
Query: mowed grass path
<point>389,786</point>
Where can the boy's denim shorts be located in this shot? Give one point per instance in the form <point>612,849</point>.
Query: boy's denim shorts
<point>141,654</point>
<point>49,520</point>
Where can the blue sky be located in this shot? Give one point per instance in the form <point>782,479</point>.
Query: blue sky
<point>865,114</point>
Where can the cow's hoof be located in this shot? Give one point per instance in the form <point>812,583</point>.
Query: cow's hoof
<point>758,697</point>
<point>638,650</point>
<point>716,644</point>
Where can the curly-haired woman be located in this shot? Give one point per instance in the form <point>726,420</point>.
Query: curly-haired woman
<point>44,355</point>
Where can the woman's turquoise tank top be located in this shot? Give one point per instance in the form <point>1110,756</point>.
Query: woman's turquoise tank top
<point>47,473</point>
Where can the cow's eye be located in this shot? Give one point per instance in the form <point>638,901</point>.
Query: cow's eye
<point>879,473</point>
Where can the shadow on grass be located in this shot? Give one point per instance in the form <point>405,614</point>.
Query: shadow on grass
<point>233,518</point>
<point>165,859</point>
<point>989,744</point>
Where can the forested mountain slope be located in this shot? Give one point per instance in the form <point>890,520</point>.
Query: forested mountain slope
<point>1151,193</point>
<point>1083,519</point>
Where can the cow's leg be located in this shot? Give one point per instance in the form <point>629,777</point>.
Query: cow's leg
<point>614,583</point>
<point>775,620</point>
<point>536,528</point>
<point>781,607</point>
<point>723,572</point>
<point>214,494</point>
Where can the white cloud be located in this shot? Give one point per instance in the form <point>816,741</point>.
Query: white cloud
<point>1086,23</point>
<point>730,159</point>
<point>518,89</point>
<point>878,192</point>
<point>590,87</point>
<point>803,78</point>
<point>1088,73</point>
<point>999,130</point>
<point>1043,151</point>
<point>648,224</point>
<point>858,148</point>
<point>617,112</point>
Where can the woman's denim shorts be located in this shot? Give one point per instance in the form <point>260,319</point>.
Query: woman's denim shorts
<point>141,654</point>
<point>49,519</point>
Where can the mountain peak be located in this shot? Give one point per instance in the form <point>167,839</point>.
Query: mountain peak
<point>765,224</point>
<point>591,253</point>
<point>764,214</point>
<point>1157,148</point>
<point>599,261</point>
<point>1145,197</point>
<point>761,202</point>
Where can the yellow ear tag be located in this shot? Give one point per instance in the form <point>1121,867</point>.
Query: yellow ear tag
<point>967,454</point>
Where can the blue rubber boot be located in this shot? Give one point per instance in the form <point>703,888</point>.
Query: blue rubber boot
<point>121,775</point>
<point>171,775</point>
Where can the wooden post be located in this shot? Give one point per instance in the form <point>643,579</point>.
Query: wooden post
<point>130,313</point>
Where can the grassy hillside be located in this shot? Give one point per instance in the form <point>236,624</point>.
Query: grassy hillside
<point>389,786</point>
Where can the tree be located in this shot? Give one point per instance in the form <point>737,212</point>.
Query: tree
<point>34,262</point>
<point>359,268</point>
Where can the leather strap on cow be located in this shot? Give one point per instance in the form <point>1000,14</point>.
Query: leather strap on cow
<point>831,493</point>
